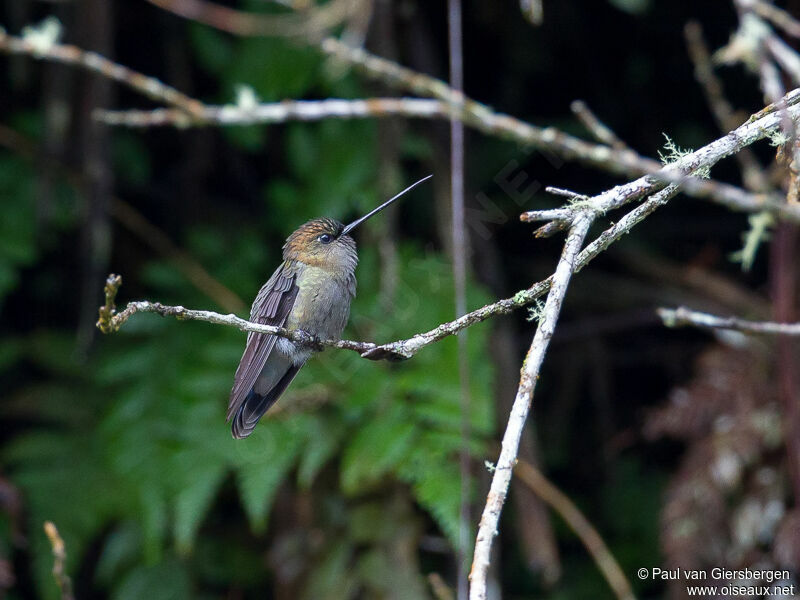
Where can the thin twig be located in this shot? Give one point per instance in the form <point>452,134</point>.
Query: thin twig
<point>485,119</point>
<point>440,589</point>
<point>91,61</point>
<point>63,580</point>
<point>111,321</point>
<point>704,158</point>
<point>487,529</point>
<point>595,126</point>
<point>308,23</point>
<point>472,113</point>
<point>777,16</point>
<point>682,316</point>
<point>580,525</point>
<point>310,110</point>
<point>753,175</point>
<point>135,222</point>
<point>460,250</point>
<point>756,128</point>
<point>404,349</point>
<point>279,112</point>
<point>625,224</point>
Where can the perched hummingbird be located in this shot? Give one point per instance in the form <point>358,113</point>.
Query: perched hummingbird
<point>311,290</point>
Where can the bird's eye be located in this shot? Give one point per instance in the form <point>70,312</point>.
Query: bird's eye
<point>325,238</point>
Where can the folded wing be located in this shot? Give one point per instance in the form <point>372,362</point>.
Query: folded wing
<point>271,307</point>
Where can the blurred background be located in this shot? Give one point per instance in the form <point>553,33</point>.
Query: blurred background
<point>669,440</point>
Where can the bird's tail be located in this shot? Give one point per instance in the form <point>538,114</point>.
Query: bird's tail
<point>255,405</point>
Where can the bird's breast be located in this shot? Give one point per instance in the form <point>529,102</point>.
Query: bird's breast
<point>322,306</point>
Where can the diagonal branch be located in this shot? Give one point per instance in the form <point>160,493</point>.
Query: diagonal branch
<point>682,316</point>
<point>501,479</point>
<point>308,23</point>
<point>313,110</point>
<point>580,525</point>
<point>94,62</point>
<point>110,321</point>
<point>472,113</point>
<point>452,104</point>
<point>759,126</point>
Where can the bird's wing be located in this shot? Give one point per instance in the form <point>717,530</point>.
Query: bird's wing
<point>271,307</point>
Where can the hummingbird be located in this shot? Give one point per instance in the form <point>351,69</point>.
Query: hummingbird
<point>310,291</point>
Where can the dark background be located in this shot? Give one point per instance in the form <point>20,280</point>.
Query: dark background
<point>351,489</point>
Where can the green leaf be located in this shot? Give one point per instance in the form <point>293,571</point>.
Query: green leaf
<point>168,580</point>
<point>121,549</point>
<point>193,503</point>
<point>259,479</point>
<point>376,448</point>
<point>438,491</point>
<point>323,441</point>
<point>154,522</point>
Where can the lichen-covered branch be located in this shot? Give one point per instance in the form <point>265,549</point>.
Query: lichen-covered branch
<point>451,104</point>
<point>759,126</point>
<point>107,312</point>
<point>279,112</point>
<point>110,320</point>
<point>621,161</point>
<point>682,317</point>
<point>487,529</point>
<point>753,175</point>
<point>400,349</point>
<point>312,110</point>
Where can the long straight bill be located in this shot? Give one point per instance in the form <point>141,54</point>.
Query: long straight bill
<point>357,222</point>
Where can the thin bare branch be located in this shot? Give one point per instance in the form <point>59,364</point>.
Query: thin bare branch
<point>777,16</point>
<point>601,132</point>
<point>580,525</point>
<point>309,23</point>
<point>485,119</point>
<point>753,175</point>
<point>279,112</point>
<point>471,112</point>
<point>404,349</point>
<point>756,128</point>
<point>682,316</point>
<point>134,221</point>
<point>460,252</point>
<point>456,104</point>
<point>487,529</point>
<point>91,61</point>
<point>719,192</point>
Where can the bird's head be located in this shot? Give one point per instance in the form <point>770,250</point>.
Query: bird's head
<point>326,243</point>
<point>322,243</point>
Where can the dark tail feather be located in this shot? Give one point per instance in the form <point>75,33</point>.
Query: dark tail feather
<point>255,405</point>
